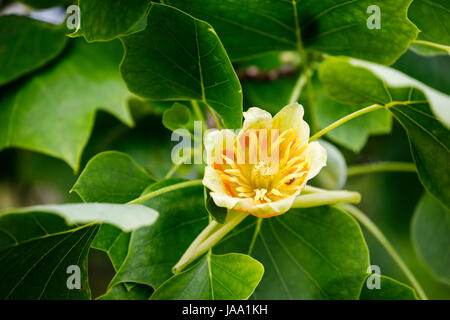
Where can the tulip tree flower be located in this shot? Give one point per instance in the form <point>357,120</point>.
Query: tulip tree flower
<point>262,169</point>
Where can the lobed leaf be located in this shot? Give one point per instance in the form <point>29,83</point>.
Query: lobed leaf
<point>36,248</point>
<point>107,20</point>
<point>316,253</point>
<point>390,289</point>
<point>428,136</point>
<point>177,57</point>
<point>120,292</point>
<point>113,177</point>
<point>215,277</point>
<point>116,178</point>
<point>432,17</point>
<point>53,111</point>
<point>127,217</point>
<point>21,36</point>
<point>249,28</point>
<point>154,250</point>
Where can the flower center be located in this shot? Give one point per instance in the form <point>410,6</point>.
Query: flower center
<point>264,166</point>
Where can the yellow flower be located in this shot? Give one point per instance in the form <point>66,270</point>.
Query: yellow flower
<point>262,169</point>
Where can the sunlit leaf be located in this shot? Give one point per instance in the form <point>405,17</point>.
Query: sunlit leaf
<point>127,217</point>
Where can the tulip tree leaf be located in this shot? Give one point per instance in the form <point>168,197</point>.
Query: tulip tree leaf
<point>431,236</point>
<point>113,177</point>
<point>120,292</point>
<point>389,289</point>
<point>177,57</point>
<point>97,24</point>
<point>216,277</point>
<point>36,248</point>
<point>127,217</point>
<point>431,71</point>
<point>177,117</point>
<point>65,98</point>
<point>354,134</point>
<point>248,28</point>
<point>154,250</point>
<point>114,242</point>
<point>45,3</point>
<point>334,174</point>
<point>316,253</point>
<point>271,95</point>
<point>218,213</point>
<point>432,17</point>
<point>428,137</point>
<point>22,36</point>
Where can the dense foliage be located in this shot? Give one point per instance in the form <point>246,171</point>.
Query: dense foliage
<point>88,120</point>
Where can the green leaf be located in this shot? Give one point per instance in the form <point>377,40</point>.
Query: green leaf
<point>106,20</point>
<point>41,4</point>
<point>216,277</point>
<point>177,117</point>
<point>114,242</point>
<point>316,253</point>
<point>65,98</point>
<point>218,213</point>
<point>390,289</point>
<point>120,292</point>
<point>127,217</point>
<point>271,61</point>
<point>271,95</point>
<point>151,151</point>
<point>334,27</point>
<point>432,17</point>
<point>431,71</point>
<point>358,86</point>
<point>178,57</point>
<point>354,134</point>
<point>334,174</point>
<point>36,248</point>
<point>111,176</point>
<point>430,228</point>
<point>24,36</point>
<point>154,250</point>
<point>429,138</point>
